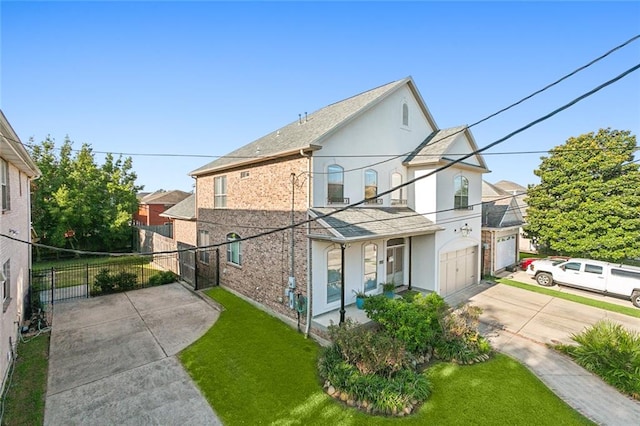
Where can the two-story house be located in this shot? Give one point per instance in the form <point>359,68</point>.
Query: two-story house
<point>17,169</point>
<point>425,235</point>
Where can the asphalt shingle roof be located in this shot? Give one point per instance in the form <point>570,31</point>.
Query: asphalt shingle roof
<point>185,209</point>
<point>164,197</point>
<point>360,223</point>
<point>434,146</point>
<point>311,131</point>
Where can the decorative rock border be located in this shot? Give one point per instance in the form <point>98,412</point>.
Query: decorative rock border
<point>366,406</point>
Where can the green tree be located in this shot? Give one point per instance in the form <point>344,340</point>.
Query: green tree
<point>588,200</point>
<point>74,193</point>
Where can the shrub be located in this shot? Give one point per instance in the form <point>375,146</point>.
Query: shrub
<point>379,394</point>
<point>104,281</point>
<point>368,351</point>
<point>108,283</point>
<point>610,351</point>
<point>414,322</point>
<point>460,341</point>
<point>162,277</point>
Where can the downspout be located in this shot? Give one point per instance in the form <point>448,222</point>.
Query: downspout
<point>410,261</point>
<point>342,310</point>
<point>308,324</point>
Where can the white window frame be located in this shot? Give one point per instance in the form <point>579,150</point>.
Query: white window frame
<point>4,184</point>
<point>461,193</point>
<point>220,192</point>
<point>405,114</point>
<point>203,240</point>
<point>5,276</point>
<point>234,249</point>
<point>397,196</point>
<point>368,174</point>
<point>371,276</point>
<point>338,174</point>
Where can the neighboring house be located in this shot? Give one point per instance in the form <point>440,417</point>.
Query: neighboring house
<point>425,235</point>
<point>183,218</point>
<point>501,224</point>
<point>520,192</point>
<point>152,205</point>
<point>17,169</point>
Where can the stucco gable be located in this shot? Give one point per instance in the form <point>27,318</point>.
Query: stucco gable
<point>447,145</point>
<point>310,131</point>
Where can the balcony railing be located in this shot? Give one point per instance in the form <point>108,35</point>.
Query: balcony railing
<point>374,201</point>
<point>338,201</point>
<point>398,202</point>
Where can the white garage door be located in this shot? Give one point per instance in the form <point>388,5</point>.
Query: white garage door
<point>505,251</point>
<point>458,269</point>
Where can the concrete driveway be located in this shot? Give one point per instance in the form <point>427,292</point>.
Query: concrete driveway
<point>112,359</point>
<point>520,323</point>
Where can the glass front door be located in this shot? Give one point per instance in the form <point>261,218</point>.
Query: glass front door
<point>395,261</point>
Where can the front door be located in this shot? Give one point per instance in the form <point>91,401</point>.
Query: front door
<point>395,261</point>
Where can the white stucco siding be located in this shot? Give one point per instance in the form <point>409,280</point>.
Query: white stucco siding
<point>423,264</point>
<point>422,194</point>
<point>462,146</point>
<point>353,269</point>
<point>377,131</point>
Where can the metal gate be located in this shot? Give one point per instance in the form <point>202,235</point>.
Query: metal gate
<point>187,263</point>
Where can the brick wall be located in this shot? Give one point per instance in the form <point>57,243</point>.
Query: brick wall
<point>487,253</point>
<point>184,231</point>
<point>257,203</point>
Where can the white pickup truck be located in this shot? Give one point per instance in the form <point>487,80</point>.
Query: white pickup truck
<point>607,278</point>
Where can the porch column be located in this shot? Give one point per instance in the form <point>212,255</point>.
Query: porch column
<point>342,310</point>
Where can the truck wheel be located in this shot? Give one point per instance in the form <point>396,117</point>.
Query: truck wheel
<point>635,298</point>
<point>544,279</point>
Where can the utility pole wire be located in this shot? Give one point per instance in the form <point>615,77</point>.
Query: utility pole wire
<point>410,182</point>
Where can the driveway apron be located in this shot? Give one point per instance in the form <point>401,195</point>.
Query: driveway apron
<point>112,359</point>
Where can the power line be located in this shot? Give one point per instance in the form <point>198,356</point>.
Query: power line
<point>393,156</point>
<point>437,170</point>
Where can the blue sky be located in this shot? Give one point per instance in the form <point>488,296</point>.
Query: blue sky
<point>204,78</point>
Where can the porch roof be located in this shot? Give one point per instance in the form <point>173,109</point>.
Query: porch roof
<point>366,223</point>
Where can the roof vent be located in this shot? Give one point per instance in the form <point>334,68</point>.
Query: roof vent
<point>299,118</point>
<point>305,117</point>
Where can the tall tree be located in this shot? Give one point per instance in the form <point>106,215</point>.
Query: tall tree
<point>588,200</point>
<point>95,203</point>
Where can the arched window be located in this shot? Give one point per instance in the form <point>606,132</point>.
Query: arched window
<point>461,193</point>
<point>335,184</point>
<point>334,275</point>
<point>397,196</point>
<point>405,114</point>
<point>234,251</point>
<point>371,185</point>
<point>370,259</point>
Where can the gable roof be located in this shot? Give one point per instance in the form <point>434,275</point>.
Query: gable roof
<point>511,187</point>
<point>13,151</point>
<point>164,197</point>
<point>309,132</point>
<point>501,213</point>
<point>491,192</point>
<point>185,209</point>
<point>355,224</point>
<point>435,148</point>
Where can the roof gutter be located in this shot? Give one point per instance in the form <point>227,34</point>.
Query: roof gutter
<point>308,149</point>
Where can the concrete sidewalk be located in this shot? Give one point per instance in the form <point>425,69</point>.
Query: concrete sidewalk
<point>520,323</point>
<point>112,359</point>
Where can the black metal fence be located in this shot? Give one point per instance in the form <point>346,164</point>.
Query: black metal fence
<point>81,278</point>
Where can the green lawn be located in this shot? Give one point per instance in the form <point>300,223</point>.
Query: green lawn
<point>254,369</point>
<point>24,404</point>
<point>626,310</point>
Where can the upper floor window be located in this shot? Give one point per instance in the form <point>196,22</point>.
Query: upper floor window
<point>335,184</point>
<point>234,253</point>
<point>397,196</point>
<point>203,241</point>
<point>220,192</point>
<point>4,183</point>
<point>371,186</point>
<point>461,193</point>
<point>405,114</point>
